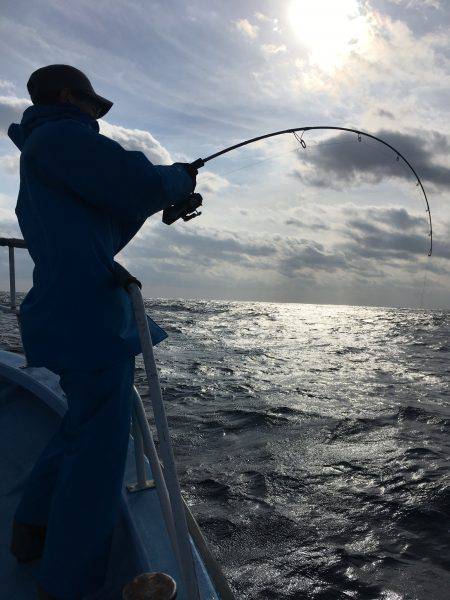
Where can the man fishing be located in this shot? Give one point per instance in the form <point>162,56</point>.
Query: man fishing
<point>82,198</point>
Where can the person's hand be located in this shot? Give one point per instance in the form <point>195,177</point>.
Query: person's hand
<point>192,171</point>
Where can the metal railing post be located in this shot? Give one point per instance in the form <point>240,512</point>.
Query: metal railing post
<point>12,279</point>
<point>142,482</point>
<point>211,563</point>
<point>186,561</point>
<point>152,455</point>
<point>11,243</point>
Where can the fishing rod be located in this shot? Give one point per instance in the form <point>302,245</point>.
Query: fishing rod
<point>187,209</point>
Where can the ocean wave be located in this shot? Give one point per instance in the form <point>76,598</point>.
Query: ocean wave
<point>311,443</point>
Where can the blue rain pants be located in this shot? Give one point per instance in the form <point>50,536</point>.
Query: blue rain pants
<point>75,487</point>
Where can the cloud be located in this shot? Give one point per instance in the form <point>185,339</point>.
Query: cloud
<point>262,17</point>
<point>137,139</point>
<point>395,78</point>
<point>385,113</point>
<point>385,234</point>
<point>339,160</point>
<point>418,3</point>
<point>367,243</point>
<point>11,109</point>
<point>217,244</point>
<point>371,241</point>
<point>210,183</point>
<point>6,85</point>
<point>273,48</point>
<point>243,254</point>
<point>9,226</point>
<point>315,225</point>
<point>395,66</point>
<point>301,255</point>
<point>244,26</point>
<point>9,163</point>
<point>397,218</point>
<point>374,239</point>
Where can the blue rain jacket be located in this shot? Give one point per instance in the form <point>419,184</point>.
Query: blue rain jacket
<point>82,198</point>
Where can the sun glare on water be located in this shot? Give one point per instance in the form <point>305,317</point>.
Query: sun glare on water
<point>329,29</point>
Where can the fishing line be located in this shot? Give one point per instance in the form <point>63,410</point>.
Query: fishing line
<point>399,157</point>
<point>248,165</point>
<point>297,150</point>
<point>423,289</point>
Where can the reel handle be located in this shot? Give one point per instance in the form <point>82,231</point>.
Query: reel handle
<point>186,210</point>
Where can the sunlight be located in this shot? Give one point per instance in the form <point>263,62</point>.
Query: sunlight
<point>329,30</point>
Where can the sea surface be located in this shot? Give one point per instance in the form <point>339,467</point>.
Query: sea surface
<point>312,443</point>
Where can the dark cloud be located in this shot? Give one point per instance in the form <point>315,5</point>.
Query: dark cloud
<point>316,225</point>
<point>217,243</point>
<point>385,113</point>
<point>215,250</point>
<point>344,160</point>
<point>183,249</point>
<point>363,225</point>
<point>374,242</point>
<point>387,235</point>
<point>370,239</point>
<point>310,255</point>
<point>398,218</point>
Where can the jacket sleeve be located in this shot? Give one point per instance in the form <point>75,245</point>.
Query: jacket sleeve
<point>123,183</point>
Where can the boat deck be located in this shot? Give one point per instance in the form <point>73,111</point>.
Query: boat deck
<point>31,405</point>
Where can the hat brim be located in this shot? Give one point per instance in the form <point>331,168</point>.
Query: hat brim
<point>103,103</point>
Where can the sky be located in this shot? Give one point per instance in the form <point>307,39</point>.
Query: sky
<point>340,221</point>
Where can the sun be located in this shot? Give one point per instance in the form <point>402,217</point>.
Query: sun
<point>329,29</point>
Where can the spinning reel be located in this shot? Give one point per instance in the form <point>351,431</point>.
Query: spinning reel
<point>186,210</point>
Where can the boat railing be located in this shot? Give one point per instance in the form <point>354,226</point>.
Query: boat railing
<point>180,523</point>
<point>11,243</point>
<point>168,486</point>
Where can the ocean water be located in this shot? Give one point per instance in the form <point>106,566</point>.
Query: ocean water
<point>312,443</point>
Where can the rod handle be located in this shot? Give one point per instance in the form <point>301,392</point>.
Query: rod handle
<point>198,163</point>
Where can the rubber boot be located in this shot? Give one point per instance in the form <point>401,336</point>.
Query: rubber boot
<point>150,586</point>
<point>27,542</point>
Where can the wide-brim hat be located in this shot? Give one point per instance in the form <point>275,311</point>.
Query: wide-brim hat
<point>54,78</point>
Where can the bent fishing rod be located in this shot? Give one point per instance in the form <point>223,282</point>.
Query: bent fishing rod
<point>187,209</point>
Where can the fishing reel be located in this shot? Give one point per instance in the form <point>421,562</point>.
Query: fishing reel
<point>186,210</point>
